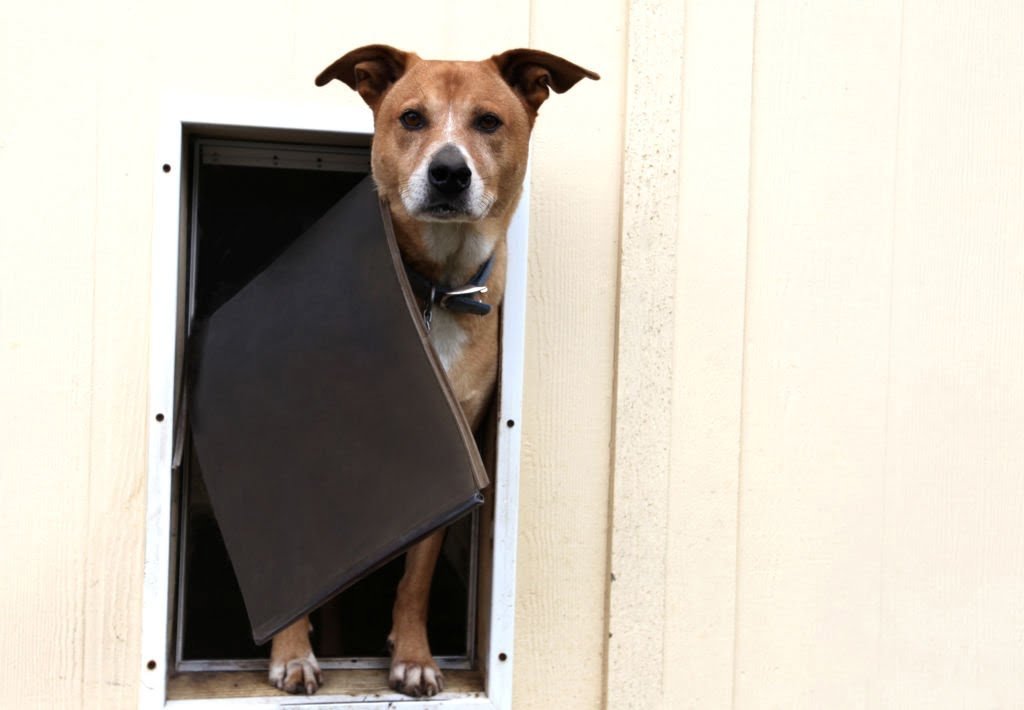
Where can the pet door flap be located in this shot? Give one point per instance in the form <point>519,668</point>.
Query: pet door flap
<point>327,432</point>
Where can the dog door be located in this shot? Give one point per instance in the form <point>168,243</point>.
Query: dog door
<point>236,183</point>
<point>250,202</point>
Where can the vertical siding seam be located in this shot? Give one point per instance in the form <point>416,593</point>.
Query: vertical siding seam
<point>616,348</point>
<point>610,534</point>
<point>889,346</point>
<point>673,371</point>
<point>743,360</point>
<point>85,539</point>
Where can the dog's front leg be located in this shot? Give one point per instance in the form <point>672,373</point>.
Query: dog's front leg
<point>293,667</point>
<point>413,670</point>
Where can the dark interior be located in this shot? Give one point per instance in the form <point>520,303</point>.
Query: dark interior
<point>246,216</point>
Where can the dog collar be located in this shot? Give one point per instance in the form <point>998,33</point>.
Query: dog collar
<point>457,300</point>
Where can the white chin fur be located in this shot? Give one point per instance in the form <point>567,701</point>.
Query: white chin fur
<point>426,215</point>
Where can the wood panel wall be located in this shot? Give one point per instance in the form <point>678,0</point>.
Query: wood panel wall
<point>841,525</point>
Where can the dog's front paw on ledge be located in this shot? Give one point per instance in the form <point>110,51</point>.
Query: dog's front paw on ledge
<point>297,675</point>
<point>413,670</point>
<point>293,667</point>
<point>416,677</point>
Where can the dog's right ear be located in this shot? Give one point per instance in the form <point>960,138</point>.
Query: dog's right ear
<point>369,70</point>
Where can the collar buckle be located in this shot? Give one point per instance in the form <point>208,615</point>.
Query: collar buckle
<point>465,291</point>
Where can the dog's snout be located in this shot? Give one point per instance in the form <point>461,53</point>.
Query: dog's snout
<point>448,171</point>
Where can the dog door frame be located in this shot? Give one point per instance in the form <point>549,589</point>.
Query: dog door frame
<point>180,118</point>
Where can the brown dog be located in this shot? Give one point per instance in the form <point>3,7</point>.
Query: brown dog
<point>449,155</point>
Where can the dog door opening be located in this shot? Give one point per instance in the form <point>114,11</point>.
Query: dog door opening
<point>250,200</point>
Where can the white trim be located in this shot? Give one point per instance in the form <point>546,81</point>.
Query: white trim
<point>162,355</point>
<point>177,115</point>
<point>218,111</point>
<point>498,673</point>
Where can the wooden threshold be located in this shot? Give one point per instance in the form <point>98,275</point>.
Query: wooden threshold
<point>357,685</point>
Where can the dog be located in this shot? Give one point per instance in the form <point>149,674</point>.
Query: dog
<point>449,155</point>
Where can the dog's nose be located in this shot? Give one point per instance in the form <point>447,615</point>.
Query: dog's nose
<point>448,171</point>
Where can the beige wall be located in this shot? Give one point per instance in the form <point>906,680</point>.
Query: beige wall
<point>808,385</point>
<point>821,454</point>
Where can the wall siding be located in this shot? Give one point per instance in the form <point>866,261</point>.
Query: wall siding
<point>707,365</point>
<point>842,519</point>
<point>570,337</point>
<point>47,290</point>
<point>815,375</point>
<point>953,564</point>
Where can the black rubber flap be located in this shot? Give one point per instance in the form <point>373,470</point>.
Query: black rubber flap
<point>327,433</point>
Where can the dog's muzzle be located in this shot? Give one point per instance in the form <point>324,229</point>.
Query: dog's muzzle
<point>449,177</point>
<point>448,173</point>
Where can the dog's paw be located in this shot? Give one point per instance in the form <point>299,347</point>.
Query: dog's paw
<point>293,667</point>
<point>416,678</point>
<point>413,670</point>
<point>296,675</point>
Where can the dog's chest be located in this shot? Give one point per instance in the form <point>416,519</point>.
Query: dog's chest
<point>448,338</point>
<point>460,249</point>
<point>456,246</point>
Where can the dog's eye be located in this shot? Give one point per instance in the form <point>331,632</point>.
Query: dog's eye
<point>488,123</point>
<point>413,120</point>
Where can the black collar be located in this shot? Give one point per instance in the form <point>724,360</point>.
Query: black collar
<point>457,300</point>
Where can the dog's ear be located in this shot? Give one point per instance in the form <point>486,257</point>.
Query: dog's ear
<point>369,70</point>
<point>531,73</point>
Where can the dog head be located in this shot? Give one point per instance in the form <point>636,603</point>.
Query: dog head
<point>451,139</point>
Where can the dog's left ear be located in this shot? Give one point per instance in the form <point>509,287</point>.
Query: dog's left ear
<point>531,73</point>
<point>369,70</point>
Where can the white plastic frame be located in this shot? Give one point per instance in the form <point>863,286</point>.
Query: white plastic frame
<point>179,116</point>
